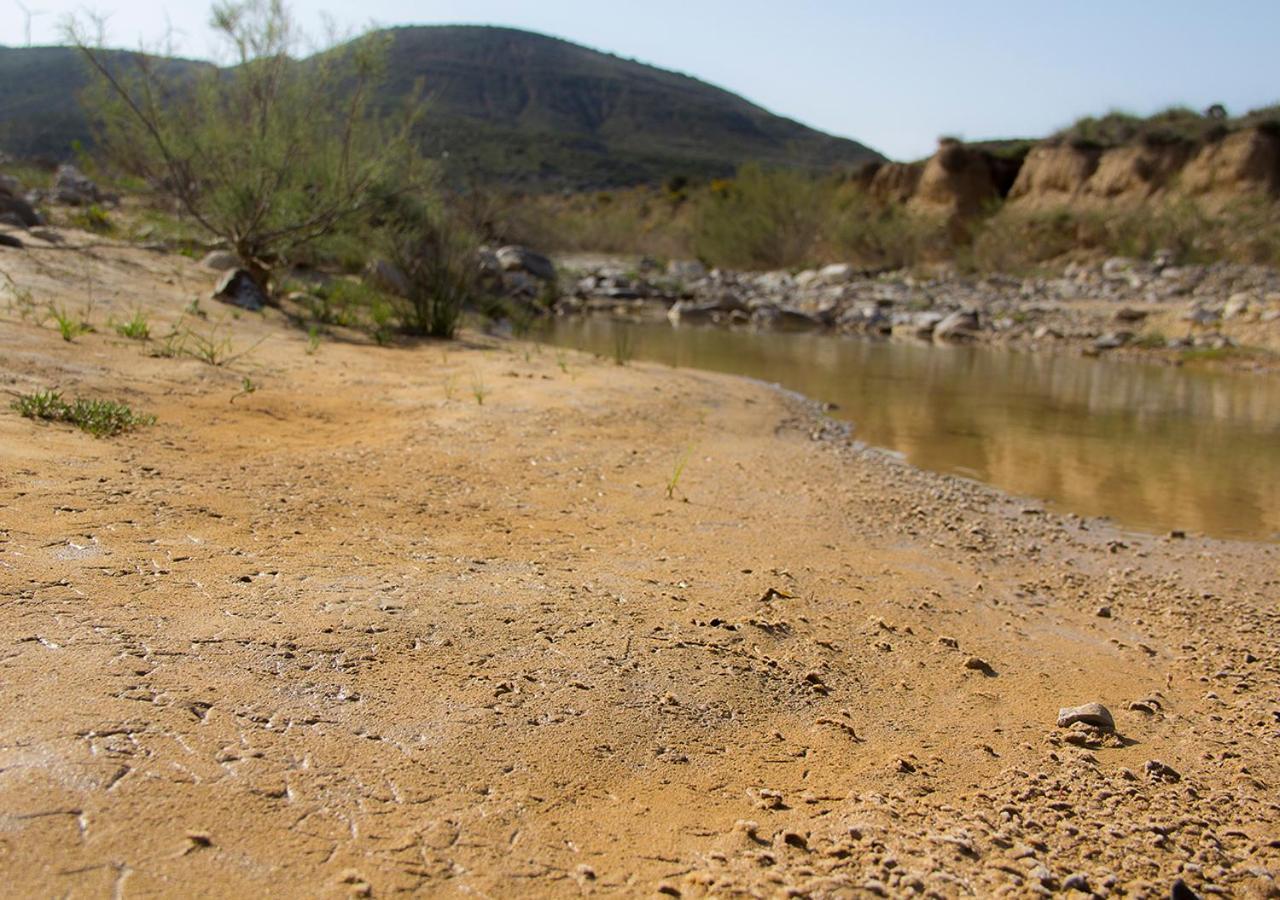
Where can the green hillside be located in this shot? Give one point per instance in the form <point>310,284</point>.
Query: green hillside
<point>504,105</point>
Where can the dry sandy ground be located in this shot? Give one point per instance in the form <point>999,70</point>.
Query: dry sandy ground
<point>358,634</point>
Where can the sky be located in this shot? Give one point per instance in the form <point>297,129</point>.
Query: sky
<point>893,74</point>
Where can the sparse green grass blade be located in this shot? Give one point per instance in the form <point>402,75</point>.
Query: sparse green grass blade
<point>100,418</point>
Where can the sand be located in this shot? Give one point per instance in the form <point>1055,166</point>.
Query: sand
<point>354,632</point>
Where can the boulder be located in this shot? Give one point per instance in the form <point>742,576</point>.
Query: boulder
<point>73,187</point>
<point>958,326</point>
<point>18,209</point>
<point>837,273</point>
<point>686,269</point>
<point>521,259</point>
<point>220,260</point>
<point>238,288</point>
<point>1237,304</point>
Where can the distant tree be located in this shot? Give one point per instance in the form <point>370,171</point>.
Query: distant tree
<point>269,153</point>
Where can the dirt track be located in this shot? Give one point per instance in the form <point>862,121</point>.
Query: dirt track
<point>356,633</point>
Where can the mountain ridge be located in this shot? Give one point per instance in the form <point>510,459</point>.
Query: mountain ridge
<point>508,106</point>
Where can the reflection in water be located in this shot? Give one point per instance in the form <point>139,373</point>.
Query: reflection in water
<point>1153,447</point>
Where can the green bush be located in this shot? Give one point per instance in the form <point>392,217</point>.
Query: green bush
<point>762,220</point>
<point>437,255</point>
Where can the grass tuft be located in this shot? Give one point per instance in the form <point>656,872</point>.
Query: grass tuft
<point>135,329</point>
<point>100,418</point>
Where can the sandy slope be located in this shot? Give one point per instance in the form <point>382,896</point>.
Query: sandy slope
<point>356,633</point>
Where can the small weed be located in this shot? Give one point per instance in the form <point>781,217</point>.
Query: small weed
<point>449,384</point>
<point>21,300</point>
<point>313,340</point>
<point>247,387</point>
<point>100,418</point>
<point>93,218</point>
<point>1151,341</point>
<point>135,329</point>
<point>193,309</point>
<point>213,348</point>
<point>478,388</point>
<point>562,360</point>
<point>69,326</point>
<point>674,481</point>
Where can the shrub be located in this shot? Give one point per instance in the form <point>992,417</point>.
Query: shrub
<point>763,219</point>
<point>267,154</point>
<point>437,256</point>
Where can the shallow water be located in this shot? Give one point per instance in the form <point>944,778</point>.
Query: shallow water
<point>1152,447</point>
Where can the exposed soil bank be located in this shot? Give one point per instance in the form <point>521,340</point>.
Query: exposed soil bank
<point>357,633</point>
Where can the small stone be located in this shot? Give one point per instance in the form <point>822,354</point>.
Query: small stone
<point>1104,612</point>
<point>1077,882</point>
<point>1090,714</point>
<point>1158,771</point>
<point>978,664</point>
<point>1180,891</point>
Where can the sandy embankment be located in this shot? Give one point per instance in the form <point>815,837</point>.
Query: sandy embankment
<point>357,633</point>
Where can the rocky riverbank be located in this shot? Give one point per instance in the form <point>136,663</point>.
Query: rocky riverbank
<point>1118,306</point>
<point>481,618</point>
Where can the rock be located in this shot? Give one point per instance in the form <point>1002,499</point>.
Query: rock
<point>1180,891</point>
<point>73,187</point>
<point>1129,315</point>
<point>1112,340</point>
<point>21,211</point>
<point>1237,304</point>
<point>784,319</point>
<point>238,288</point>
<point>978,664</point>
<point>1198,315</point>
<point>220,260</point>
<point>837,273</point>
<point>1103,612</point>
<point>1090,714</point>
<point>686,269</point>
<point>8,240</point>
<point>387,276</point>
<point>1158,771</point>
<point>961,325</point>
<point>1077,882</point>
<point>924,324</point>
<point>521,259</point>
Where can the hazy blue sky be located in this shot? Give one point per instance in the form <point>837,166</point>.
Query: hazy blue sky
<point>893,74</point>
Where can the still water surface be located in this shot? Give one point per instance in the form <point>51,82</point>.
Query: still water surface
<point>1152,447</point>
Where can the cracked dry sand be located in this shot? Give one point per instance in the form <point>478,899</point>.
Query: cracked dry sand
<point>355,634</point>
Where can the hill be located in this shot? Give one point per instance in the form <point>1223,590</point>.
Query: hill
<point>505,105</point>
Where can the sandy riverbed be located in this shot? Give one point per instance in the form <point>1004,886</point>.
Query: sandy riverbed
<point>357,633</point>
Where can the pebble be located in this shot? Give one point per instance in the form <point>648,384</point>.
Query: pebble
<point>1077,882</point>
<point>1089,714</point>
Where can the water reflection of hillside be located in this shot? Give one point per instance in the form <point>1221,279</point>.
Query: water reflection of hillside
<point>1152,446</point>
